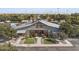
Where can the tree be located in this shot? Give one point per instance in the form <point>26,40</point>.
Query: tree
<point>7,47</point>
<point>49,18</point>
<point>75,32</point>
<point>66,28</point>
<point>62,36</point>
<point>7,31</point>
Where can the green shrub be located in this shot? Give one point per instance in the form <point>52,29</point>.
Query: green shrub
<point>29,40</point>
<point>50,41</point>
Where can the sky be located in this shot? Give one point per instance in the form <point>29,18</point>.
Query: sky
<point>39,10</point>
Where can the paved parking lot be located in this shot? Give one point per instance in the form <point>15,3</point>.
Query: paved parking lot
<point>75,47</point>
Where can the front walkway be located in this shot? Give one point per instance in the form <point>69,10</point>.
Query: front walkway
<point>15,42</point>
<point>19,39</point>
<point>38,40</point>
<point>38,44</point>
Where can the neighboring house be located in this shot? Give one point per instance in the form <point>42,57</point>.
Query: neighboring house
<point>24,21</point>
<point>39,27</point>
<point>8,21</point>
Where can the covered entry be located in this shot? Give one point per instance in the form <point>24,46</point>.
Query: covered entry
<point>38,32</point>
<point>37,28</point>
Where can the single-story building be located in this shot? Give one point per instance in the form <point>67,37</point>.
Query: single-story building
<point>39,27</point>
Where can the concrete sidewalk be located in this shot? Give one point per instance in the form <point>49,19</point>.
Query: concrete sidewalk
<point>19,40</point>
<point>39,44</point>
<point>38,40</point>
<point>45,45</point>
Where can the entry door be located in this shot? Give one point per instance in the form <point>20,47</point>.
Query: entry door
<point>39,32</point>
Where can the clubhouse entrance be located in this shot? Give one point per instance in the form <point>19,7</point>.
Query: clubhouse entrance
<point>38,32</point>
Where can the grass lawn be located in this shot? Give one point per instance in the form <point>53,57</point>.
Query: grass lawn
<point>49,41</point>
<point>7,47</point>
<point>29,40</point>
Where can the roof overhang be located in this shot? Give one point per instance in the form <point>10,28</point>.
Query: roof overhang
<point>32,23</point>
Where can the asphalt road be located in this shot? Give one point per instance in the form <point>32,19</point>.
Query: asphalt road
<point>75,47</point>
